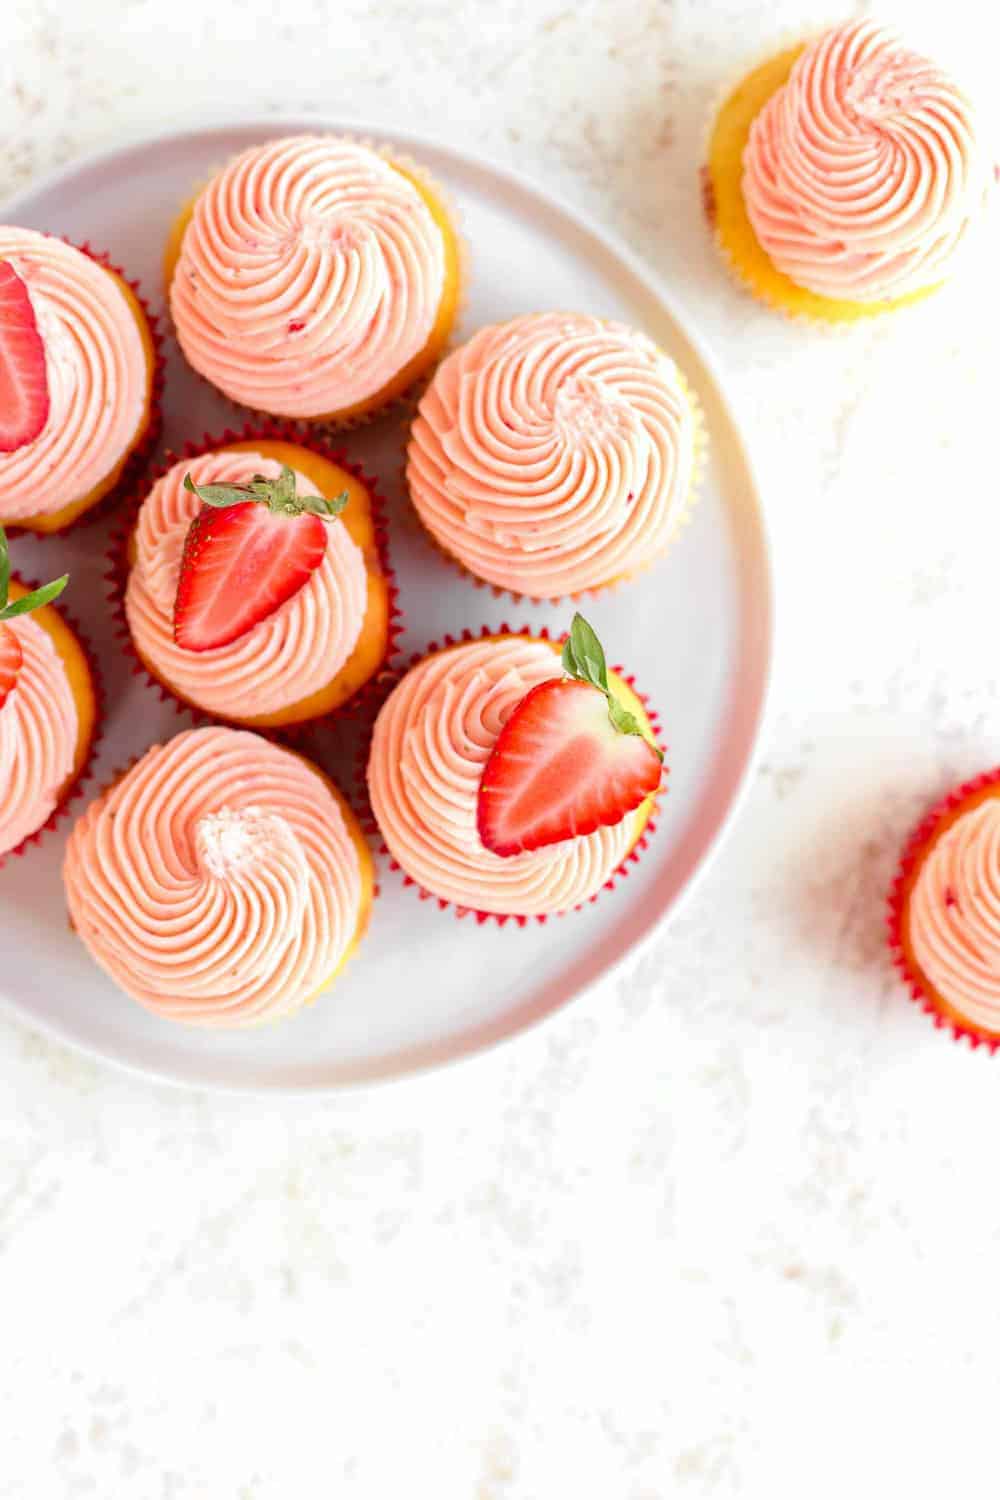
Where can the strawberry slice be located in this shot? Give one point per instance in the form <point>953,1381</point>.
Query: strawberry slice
<point>239,565</point>
<point>24,381</point>
<point>560,769</point>
<point>11,662</point>
<point>569,760</point>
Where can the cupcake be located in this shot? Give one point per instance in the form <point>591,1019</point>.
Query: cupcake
<point>944,912</point>
<point>510,782</point>
<point>48,708</point>
<point>222,881</point>
<point>844,176</point>
<point>78,377</point>
<point>314,278</point>
<point>254,587</point>
<point>554,454</point>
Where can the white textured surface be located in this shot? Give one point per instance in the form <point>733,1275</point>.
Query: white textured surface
<point>725,1228</point>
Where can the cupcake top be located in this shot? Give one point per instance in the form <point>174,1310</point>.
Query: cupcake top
<point>39,729</point>
<point>217,881</point>
<point>82,353</point>
<point>553,453</point>
<point>953,914</point>
<point>432,741</point>
<point>309,276</point>
<point>287,656</point>
<point>864,173</point>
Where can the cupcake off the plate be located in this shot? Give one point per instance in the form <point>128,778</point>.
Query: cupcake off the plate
<point>846,176</point>
<point>944,911</point>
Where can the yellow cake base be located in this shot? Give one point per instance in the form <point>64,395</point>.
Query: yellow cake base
<point>81,682</point>
<point>368,655</point>
<point>58,520</point>
<point>367,863</point>
<point>726,209</point>
<point>448,307</point>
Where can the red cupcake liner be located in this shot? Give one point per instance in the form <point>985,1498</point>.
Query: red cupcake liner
<point>79,781</point>
<point>118,571</point>
<point>139,456</point>
<point>915,846</point>
<point>369,823</point>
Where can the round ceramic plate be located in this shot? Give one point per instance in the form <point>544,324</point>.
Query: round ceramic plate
<point>696,631</point>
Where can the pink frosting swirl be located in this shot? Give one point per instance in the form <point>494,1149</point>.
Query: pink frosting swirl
<point>954,915</point>
<point>216,882</point>
<point>865,171</point>
<point>39,728</point>
<point>97,370</point>
<point>296,651</point>
<point>310,275</point>
<point>553,453</point>
<point>432,740</point>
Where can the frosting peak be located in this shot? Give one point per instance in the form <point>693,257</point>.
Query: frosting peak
<point>864,173</point>
<point>553,453</point>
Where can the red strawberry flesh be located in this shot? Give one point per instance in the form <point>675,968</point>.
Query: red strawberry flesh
<point>11,661</point>
<point>240,564</point>
<point>24,381</point>
<point>560,770</point>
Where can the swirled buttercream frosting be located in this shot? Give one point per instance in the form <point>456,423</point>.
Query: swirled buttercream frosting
<point>97,370</point>
<point>309,276</point>
<point>953,915</point>
<point>39,729</point>
<point>216,881</point>
<point>432,740</point>
<point>288,656</point>
<point>864,173</point>
<point>553,453</point>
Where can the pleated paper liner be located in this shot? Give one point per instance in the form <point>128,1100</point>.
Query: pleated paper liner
<point>746,260</point>
<point>117,576</point>
<point>79,779</point>
<point>940,817</point>
<point>356,943</point>
<point>443,207</point>
<point>135,461</point>
<point>363,807</point>
<point>681,521</point>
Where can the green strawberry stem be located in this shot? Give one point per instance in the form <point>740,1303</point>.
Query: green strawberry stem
<point>277,494</point>
<point>583,658</point>
<point>11,608</point>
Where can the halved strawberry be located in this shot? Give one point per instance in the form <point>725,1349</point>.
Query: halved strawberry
<point>569,760</point>
<point>249,549</point>
<point>24,381</point>
<point>11,662</point>
<point>238,566</point>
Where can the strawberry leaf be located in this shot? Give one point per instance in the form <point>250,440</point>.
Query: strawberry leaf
<point>279,495</point>
<point>583,658</point>
<point>34,600</point>
<point>11,608</point>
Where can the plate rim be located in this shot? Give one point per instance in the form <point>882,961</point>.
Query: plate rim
<point>419,1060</point>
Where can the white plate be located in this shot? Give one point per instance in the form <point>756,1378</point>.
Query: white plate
<point>696,631</point>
